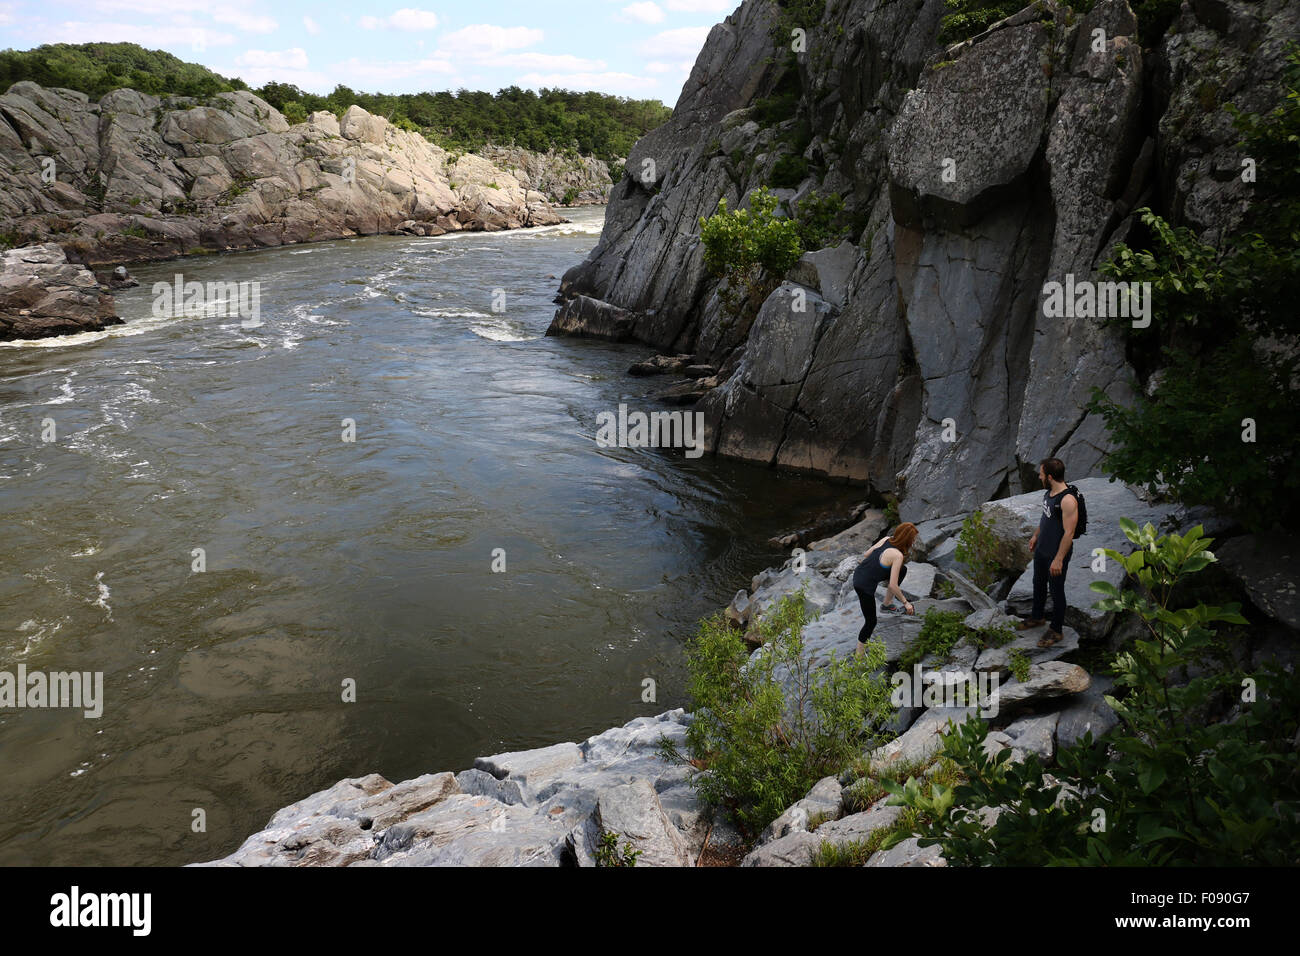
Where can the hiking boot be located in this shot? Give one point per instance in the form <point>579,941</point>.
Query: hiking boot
<point>1051,638</point>
<point>1029,623</point>
<point>890,609</point>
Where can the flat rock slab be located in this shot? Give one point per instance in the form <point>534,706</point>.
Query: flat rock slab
<point>999,658</point>
<point>908,853</point>
<point>1048,680</point>
<point>1107,503</point>
<point>530,768</point>
<point>770,587</point>
<point>859,826</point>
<point>823,802</point>
<point>795,849</point>
<point>922,740</point>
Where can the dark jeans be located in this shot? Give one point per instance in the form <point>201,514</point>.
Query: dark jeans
<point>1043,579</point>
<point>866,591</point>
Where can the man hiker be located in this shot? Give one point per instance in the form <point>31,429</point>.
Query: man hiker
<point>1052,546</point>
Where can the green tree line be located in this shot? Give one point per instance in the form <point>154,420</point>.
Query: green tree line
<point>595,124</point>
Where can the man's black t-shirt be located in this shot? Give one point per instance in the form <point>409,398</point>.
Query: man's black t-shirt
<point>1051,526</point>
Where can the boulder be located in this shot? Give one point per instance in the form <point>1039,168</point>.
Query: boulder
<point>42,295</point>
<point>1263,566</point>
<point>632,814</point>
<point>908,853</point>
<point>1045,681</point>
<point>823,802</point>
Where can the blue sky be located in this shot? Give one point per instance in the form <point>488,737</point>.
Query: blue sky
<point>638,48</point>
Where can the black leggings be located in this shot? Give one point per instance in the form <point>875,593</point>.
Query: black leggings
<point>865,587</point>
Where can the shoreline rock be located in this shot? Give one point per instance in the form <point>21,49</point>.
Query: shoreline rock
<point>135,177</point>
<point>42,295</point>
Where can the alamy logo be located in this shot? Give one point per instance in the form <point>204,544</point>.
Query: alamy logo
<point>1086,299</point>
<point>676,429</point>
<point>955,688</point>
<point>102,909</point>
<point>228,299</point>
<point>83,689</point>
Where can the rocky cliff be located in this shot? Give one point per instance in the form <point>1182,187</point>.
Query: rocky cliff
<point>561,176</point>
<point>135,177</point>
<point>973,175</point>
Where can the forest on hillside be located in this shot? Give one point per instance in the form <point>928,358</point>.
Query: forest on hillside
<point>594,124</point>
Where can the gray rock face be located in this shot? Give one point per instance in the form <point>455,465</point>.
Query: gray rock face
<point>545,807</point>
<point>1264,566</point>
<point>632,814</point>
<point>560,177</point>
<point>137,177</point>
<point>977,175</point>
<point>42,295</point>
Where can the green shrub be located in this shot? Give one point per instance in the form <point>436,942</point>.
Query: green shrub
<point>789,171</point>
<point>941,631</point>
<point>1174,787</point>
<point>978,549</point>
<point>1019,661</point>
<point>570,195</point>
<point>971,17</point>
<point>752,249</point>
<point>821,221</point>
<point>1218,310</point>
<point>608,854</point>
<point>767,727</point>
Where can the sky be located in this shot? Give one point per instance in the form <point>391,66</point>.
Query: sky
<point>636,48</point>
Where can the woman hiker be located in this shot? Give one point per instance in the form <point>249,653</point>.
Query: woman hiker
<point>884,564</point>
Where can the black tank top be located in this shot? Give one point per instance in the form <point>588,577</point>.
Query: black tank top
<point>871,568</point>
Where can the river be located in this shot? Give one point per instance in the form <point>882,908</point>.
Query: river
<point>329,564</point>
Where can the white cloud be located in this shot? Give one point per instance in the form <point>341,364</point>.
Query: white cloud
<point>482,40</point>
<point>646,12</point>
<point>250,22</point>
<point>311,26</point>
<point>658,66</point>
<point>703,6</point>
<point>294,59</point>
<point>680,44</point>
<point>555,62</point>
<point>603,82</point>
<point>6,13</point>
<point>408,19</point>
<point>404,19</point>
<point>356,72</point>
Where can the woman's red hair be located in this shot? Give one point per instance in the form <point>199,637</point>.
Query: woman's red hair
<point>904,537</point>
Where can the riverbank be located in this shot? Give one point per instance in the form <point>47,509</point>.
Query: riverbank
<point>136,178</point>
<point>553,806</point>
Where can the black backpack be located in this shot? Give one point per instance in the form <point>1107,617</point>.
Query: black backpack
<point>1081,527</point>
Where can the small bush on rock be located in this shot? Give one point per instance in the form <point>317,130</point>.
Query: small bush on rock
<point>768,727</point>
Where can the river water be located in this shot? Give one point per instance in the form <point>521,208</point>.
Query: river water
<point>327,563</point>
